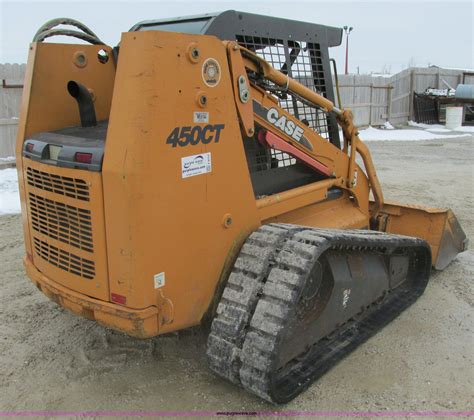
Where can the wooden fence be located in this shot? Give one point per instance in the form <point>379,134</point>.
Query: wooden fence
<point>377,99</point>
<point>11,79</point>
<point>373,99</point>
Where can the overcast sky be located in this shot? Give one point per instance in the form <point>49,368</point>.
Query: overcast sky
<point>388,35</point>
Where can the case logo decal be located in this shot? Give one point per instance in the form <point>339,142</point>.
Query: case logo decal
<point>287,126</point>
<point>283,122</point>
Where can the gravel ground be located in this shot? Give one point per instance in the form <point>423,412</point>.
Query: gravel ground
<point>53,360</point>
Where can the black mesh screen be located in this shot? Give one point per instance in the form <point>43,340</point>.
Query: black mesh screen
<point>273,171</point>
<point>261,158</point>
<point>301,61</point>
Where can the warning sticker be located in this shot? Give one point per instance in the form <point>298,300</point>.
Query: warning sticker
<point>159,280</point>
<point>201,117</point>
<point>196,165</point>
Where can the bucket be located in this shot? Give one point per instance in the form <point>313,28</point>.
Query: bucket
<point>454,117</point>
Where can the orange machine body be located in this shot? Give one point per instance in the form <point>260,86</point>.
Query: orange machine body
<point>143,245</point>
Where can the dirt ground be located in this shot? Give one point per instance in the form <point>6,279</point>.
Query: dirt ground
<point>53,360</point>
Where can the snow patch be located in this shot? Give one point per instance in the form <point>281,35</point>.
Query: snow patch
<point>434,128</point>
<point>387,75</point>
<point>465,129</point>
<point>8,159</point>
<point>438,128</point>
<point>375,134</point>
<point>388,126</point>
<point>9,196</point>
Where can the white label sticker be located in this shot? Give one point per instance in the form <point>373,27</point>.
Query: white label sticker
<point>201,117</point>
<point>345,297</point>
<point>196,165</point>
<point>159,280</point>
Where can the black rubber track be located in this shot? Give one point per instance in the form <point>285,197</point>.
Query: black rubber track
<point>261,296</point>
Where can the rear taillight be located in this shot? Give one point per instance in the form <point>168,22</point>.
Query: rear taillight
<point>30,147</point>
<point>83,157</point>
<point>116,298</point>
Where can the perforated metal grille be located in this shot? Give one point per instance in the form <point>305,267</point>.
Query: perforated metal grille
<point>70,187</point>
<point>65,260</point>
<point>302,61</point>
<point>62,222</point>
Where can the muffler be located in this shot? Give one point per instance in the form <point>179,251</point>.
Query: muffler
<point>85,102</point>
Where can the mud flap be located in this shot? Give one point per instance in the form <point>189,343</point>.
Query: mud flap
<point>439,227</point>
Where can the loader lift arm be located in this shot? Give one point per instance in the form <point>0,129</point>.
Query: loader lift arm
<point>439,227</point>
<point>240,57</point>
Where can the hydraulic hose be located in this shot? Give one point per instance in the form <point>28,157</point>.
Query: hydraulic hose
<point>46,31</point>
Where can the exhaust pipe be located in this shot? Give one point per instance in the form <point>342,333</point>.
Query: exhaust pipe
<point>84,100</point>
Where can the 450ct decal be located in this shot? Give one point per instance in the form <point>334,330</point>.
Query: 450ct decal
<point>183,136</point>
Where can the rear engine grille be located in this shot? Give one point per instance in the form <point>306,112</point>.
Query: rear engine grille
<point>62,222</point>
<point>65,260</point>
<point>70,187</point>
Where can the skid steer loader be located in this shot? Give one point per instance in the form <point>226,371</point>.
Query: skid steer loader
<point>196,172</point>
